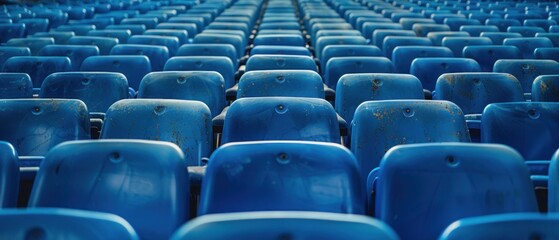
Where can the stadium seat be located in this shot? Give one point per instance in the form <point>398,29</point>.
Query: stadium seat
<point>34,44</point>
<point>204,86</point>
<point>462,180</point>
<point>322,42</point>
<point>190,28</point>
<point>428,70</point>
<point>172,43</point>
<point>220,64</point>
<point>354,89</point>
<point>529,127</point>
<point>236,41</point>
<point>56,223</point>
<point>9,179</point>
<point>545,88</point>
<point>407,23</point>
<point>381,34</point>
<point>526,70</point>
<point>121,34</point>
<point>9,31</point>
<point>8,52</point>
<point>280,62</point>
<point>391,42</point>
<point>118,177</point>
<point>456,23</point>
<point>475,31</point>
<point>547,53</point>
<point>486,56</point>
<point>78,30</point>
<point>526,31</point>
<point>38,68</point>
<point>157,55</point>
<point>99,23</point>
<point>498,37</point>
<point>15,85</point>
<point>457,44</point>
<point>402,57</point>
<point>34,126</point>
<point>527,45</point>
<point>503,24</point>
<point>149,22</point>
<point>336,67</point>
<point>105,44</point>
<point>182,35</point>
<point>280,50</point>
<point>379,125</point>
<point>279,39</point>
<point>273,83</point>
<point>98,90</point>
<point>279,224</point>
<point>542,23</point>
<point>77,54</point>
<point>35,25</point>
<point>422,29</point>
<point>133,67</point>
<point>281,118</point>
<point>331,51</point>
<point>152,119</point>
<point>135,29</point>
<point>554,37</point>
<point>281,176</point>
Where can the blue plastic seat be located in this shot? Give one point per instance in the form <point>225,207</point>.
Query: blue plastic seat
<point>460,179</point>
<point>475,31</point>
<point>498,37</point>
<point>381,34</point>
<point>456,23</point>
<point>545,88</point>
<point>529,127</point>
<point>402,57</point>
<point>526,31</point>
<point>407,23</point>
<point>149,22</point>
<point>8,52</point>
<point>204,86</point>
<point>34,44</point>
<point>79,30</point>
<point>527,45</point>
<point>280,62</point>
<point>229,26</point>
<point>542,23</point>
<point>222,65</point>
<point>354,89</point>
<point>56,223</point>
<point>437,37</point>
<point>99,23</point>
<point>428,70</point>
<point>135,29</point>
<point>182,35</point>
<point>332,51</point>
<point>369,28</point>
<point>157,55</point>
<point>152,119</point>
<point>77,54</point>
<point>280,50</point>
<point>15,85</point>
<point>526,70</point>
<point>59,37</point>
<point>281,176</point>
<point>38,68</point>
<point>273,225</point>
<point>422,29</point>
<point>280,26</point>
<point>441,17</point>
<point>509,226</point>
<point>322,42</point>
<point>281,118</point>
<point>457,44</point>
<point>199,21</point>
<point>9,179</point>
<point>503,24</point>
<point>35,25</point>
<point>105,44</point>
<point>121,34</point>
<point>236,41</point>
<point>133,67</point>
<point>34,126</point>
<point>190,28</point>
<point>547,53</point>
<point>380,125</point>
<point>338,66</point>
<point>279,39</point>
<point>209,49</point>
<point>391,42</point>
<point>486,56</point>
<point>271,83</point>
<point>171,43</point>
<point>119,177</point>
<point>10,30</point>
<point>98,90</point>
<point>554,37</point>
<point>521,16</point>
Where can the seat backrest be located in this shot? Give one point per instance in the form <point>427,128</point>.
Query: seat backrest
<point>379,125</point>
<point>532,128</point>
<point>280,50</point>
<point>322,42</point>
<point>79,30</point>
<point>182,35</point>
<point>11,30</point>
<point>149,22</point>
<point>526,70</point>
<point>236,41</point>
<point>134,28</point>
<point>105,44</point>
<point>281,118</point>
<point>38,68</point>
<point>132,66</point>
<point>220,64</point>
<point>457,44</point>
<point>402,57</point>
<point>428,70</point>
<point>34,126</point>
<point>157,55</point>
<point>121,34</point>
<point>9,177</point>
<point>280,62</point>
<point>190,28</point>
<point>354,89</point>
<point>15,85</point>
<point>498,37</point>
<point>64,223</point>
<point>136,180</point>
<point>547,53</point>
<point>437,37</point>
<point>77,54</point>
<point>8,52</point>
<point>59,37</point>
<point>172,43</point>
<point>486,56</point>
<point>546,88</point>
<point>527,45</point>
<point>472,92</point>
<point>34,44</point>
<point>332,51</point>
<point>461,180</point>
<point>204,86</point>
<point>281,176</point>
<point>289,83</point>
<point>279,39</point>
<point>509,226</point>
<point>209,49</point>
<point>338,66</point>
<point>391,42</point>
<point>526,31</point>
<point>278,224</point>
<point>98,90</point>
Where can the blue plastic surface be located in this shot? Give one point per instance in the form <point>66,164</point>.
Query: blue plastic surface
<point>190,28</point>
<point>79,30</point>
<point>422,29</point>
<point>486,56</point>
<point>338,66</point>
<point>58,223</point>
<point>444,182</point>
<point>98,90</point>
<point>529,127</point>
<point>133,67</point>
<point>144,182</point>
<point>437,37</point>
<point>269,83</point>
<point>105,44</point>
<point>35,25</point>
<point>503,24</point>
<point>279,39</point>
<point>220,64</point>
<point>121,34</point>
<point>38,68</point>
<point>59,37</point>
<point>279,224</point>
<point>236,41</point>
<point>204,86</point>
<point>547,53</point>
<point>172,43</point>
<point>281,50</point>
<point>475,31</point>
<point>428,70</point>
<point>77,54</point>
<point>526,31</point>
<point>527,45</point>
<point>8,52</point>
<point>322,42</point>
<point>457,44</point>
<point>157,55</point>
<point>281,118</point>
<point>379,125</point>
<point>282,176</point>
<point>456,23</point>
<point>354,89</point>
<point>34,44</point>
<point>331,51</point>
<point>15,85</point>
<point>472,92</point>
<point>182,35</point>
<point>209,49</point>
<point>526,70</point>
<point>9,31</point>
<point>402,57</point>
<point>513,226</point>
<point>149,22</point>
<point>554,37</point>
<point>134,28</point>
<point>9,177</point>
<point>391,42</point>
<point>280,62</point>
<point>34,126</point>
<point>546,88</point>
<point>499,37</point>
